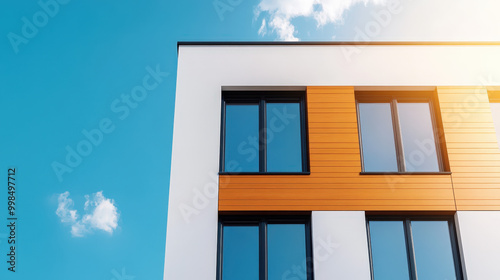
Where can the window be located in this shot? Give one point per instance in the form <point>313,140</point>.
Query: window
<point>398,134</point>
<point>402,248</point>
<point>269,248</point>
<point>263,133</point>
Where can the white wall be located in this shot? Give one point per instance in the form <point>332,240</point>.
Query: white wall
<point>479,238</point>
<point>203,70</point>
<point>340,246</point>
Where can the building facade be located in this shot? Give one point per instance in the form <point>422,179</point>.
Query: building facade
<point>335,161</point>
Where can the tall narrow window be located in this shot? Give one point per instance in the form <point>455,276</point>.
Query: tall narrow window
<point>263,133</point>
<point>265,248</point>
<point>377,137</point>
<point>241,252</point>
<point>404,248</point>
<point>398,134</point>
<point>242,121</point>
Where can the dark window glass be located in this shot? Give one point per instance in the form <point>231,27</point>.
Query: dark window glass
<point>284,152</point>
<point>417,136</point>
<point>242,134</point>
<point>410,247</point>
<point>433,250</point>
<point>265,248</point>
<point>240,253</point>
<point>495,110</point>
<point>286,251</point>
<point>388,247</point>
<point>263,133</point>
<point>377,137</point>
<point>397,134</point>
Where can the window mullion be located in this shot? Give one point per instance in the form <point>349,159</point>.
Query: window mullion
<point>220,250</point>
<point>303,135</point>
<point>435,131</point>
<point>263,250</point>
<point>262,136</point>
<point>410,250</point>
<point>223,137</point>
<point>397,136</point>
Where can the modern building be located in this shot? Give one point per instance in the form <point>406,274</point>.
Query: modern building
<point>348,161</point>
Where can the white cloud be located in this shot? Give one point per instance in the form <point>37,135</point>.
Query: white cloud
<point>263,28</point>
<point>64,209</point>
<point>78,229</point>
<point>281,12</point>
<point>101,214</point>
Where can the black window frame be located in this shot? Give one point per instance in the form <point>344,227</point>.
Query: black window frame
<point>262,222</point>
<point>261,98</point>
<point>407,219</point>
<point>393,99</point>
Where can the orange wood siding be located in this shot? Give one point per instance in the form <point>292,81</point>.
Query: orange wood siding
<point>473,152</point>
<point>335,182</point>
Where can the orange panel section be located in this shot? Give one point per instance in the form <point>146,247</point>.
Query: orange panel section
<point>473,152</point>
<point>335,182</point>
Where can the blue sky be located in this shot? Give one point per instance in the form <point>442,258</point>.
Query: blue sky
<point>88,90</point>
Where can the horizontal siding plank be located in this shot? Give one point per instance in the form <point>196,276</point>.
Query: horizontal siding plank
<point>333,138</point>
<point>468,169</point>
<point>472,145</point>
<point>338,194</point>
<point>333,202</point>
<point>467,118</point>
<point>476,186</point>
<point>333,105</point>
<point>335,185</point>
<point>468,137</point>
<point>475,156</point>
<point>330,130</point>
<point>326,97</point>
<point>474,163</point>
<point>476,181</point>
<point>354,179</point>
<point>313,110</point>
<point>354,151</point>
<point>477,194</point>
<point>474,151</point>
<point>462,99</point>
<point>293,207</point>
<point>342,157</point>
<point>340,145</point>
<point>319,125</point>
<point>332,118</point>
<point>478,207</point>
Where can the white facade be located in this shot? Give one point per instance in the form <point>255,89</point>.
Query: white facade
<point>204,70</point>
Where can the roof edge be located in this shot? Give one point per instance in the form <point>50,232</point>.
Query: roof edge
<point>337,43</point>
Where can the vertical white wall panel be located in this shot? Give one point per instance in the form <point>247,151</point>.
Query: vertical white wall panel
<point>191,245</point>
<point>340,245</point>
<point>479,238</point>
